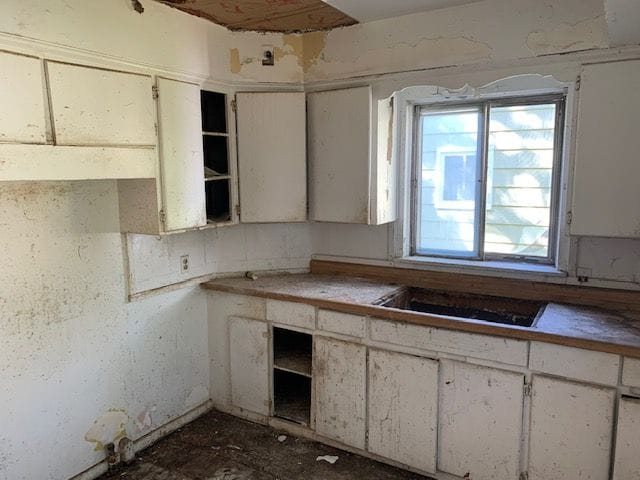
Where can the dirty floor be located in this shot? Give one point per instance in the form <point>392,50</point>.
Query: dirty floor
<point>221,447</point>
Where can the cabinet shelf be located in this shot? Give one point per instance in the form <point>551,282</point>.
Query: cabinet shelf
<point>292,353</point>
<point>215,134</point>
<point>294,362</point>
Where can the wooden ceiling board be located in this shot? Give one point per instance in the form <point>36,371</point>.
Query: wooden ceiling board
<point>266,15</point>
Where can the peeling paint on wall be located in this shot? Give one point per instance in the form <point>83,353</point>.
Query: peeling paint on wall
<point>234,60</point>
<point>143,421</point>
<point>109,428</point>
<point>583,35</point>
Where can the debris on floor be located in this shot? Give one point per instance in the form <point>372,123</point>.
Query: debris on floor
<point>218,446</point>
<point>328,458</point>
<point>282,438</point>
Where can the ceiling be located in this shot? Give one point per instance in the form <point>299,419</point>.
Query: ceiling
<point>303,15</point>
<point>369,10</point>
<point>266,15</point>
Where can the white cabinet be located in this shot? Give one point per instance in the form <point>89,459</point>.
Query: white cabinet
<point>571,430</point>
<point>606,199</point>
<point>272,157</point>
<point>92,106</point>
<point>249,364</point>
<point>480,421</point>
<point>627,461</point>
<point>181,158</point>
<point>175,201</point>
<point>339,374</point>
<point>351,167</point>
<point>403,406</point>
<point>22,96</point>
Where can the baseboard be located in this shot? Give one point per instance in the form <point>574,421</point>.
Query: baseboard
<point>149,439</point>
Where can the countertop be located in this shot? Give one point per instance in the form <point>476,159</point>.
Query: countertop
<point>569,325</point>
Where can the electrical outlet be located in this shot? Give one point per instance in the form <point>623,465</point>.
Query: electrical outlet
<point>184,263</point>
<point>268,58</point>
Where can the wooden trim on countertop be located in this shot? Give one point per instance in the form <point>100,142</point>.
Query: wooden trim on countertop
<point>624,301</point>
<point>438,321</point>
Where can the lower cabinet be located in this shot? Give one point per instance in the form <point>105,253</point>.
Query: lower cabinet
<point>249,364</point>
<point>403,408</point>
<point>339,374</point>
<point>571,430</point>
<point>480,421</point>
<point>627,459</point>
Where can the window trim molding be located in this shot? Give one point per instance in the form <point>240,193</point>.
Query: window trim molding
<point>518,86</point>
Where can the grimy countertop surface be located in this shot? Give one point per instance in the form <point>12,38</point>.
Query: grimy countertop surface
<point>569,325</point>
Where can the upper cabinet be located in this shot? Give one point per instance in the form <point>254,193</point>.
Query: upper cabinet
<point>91,106</point>
<point>606,201</point>
<point>272,157</point>
<point>181,157</point>
<point>175,200</point>
<point>22,96</point>
<point>351,164</point>
<point>81,123</point>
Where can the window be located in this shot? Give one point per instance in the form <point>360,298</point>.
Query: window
<point>486,179</point>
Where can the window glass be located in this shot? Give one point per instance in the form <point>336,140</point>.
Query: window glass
<point>448,181</point>
<point>522,140</point>
<point>491,202</point>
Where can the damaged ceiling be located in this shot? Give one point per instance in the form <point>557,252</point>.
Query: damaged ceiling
<point>266,15</point>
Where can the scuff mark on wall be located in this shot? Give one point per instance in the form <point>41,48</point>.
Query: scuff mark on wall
<point>109,428</point>
<point>584,35</point>
<point>197,396</point>
<point>144,421</point>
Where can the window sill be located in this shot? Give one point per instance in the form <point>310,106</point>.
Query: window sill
<point>489,267</point>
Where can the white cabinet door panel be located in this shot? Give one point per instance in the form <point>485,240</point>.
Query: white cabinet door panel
<point>22,115</point>
<point>627,460</point>
<point>272,157</point>
<point>403,408</point>
<point>606,198</point>
<point>339,123</point>
<point>571,429</point>
<point>339,373</point>
<point>249,364</point>
<point>480,421</point>
<point>181,157</point>
<point>91,106</point>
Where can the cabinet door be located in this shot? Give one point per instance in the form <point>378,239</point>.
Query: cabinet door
<point>249,362</point>
<point>339,372</point>
<point>606,201</point>
<point>91,106</point>
<point>181,157</point>
<point>627,460</point>
<point>403,406</point>
<point>339,124</point>
<point>22,116</point>
<point>480,421</point>
<point>571,425</point>
<point>272,157</point>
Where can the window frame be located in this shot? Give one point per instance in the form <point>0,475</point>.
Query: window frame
<point>560,100</point>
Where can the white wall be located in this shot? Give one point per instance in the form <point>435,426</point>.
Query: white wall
<point>72,348</point>
<point>78,362</point>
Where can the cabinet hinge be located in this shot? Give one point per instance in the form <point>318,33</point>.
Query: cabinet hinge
<point>154,92</point>
<point>234,105</point>
<point>569,217</point>
<point>524,476</point>
<point>163,216</point>
<point>578,82</point>
<point>527,389</point>
<point>237,208</point>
